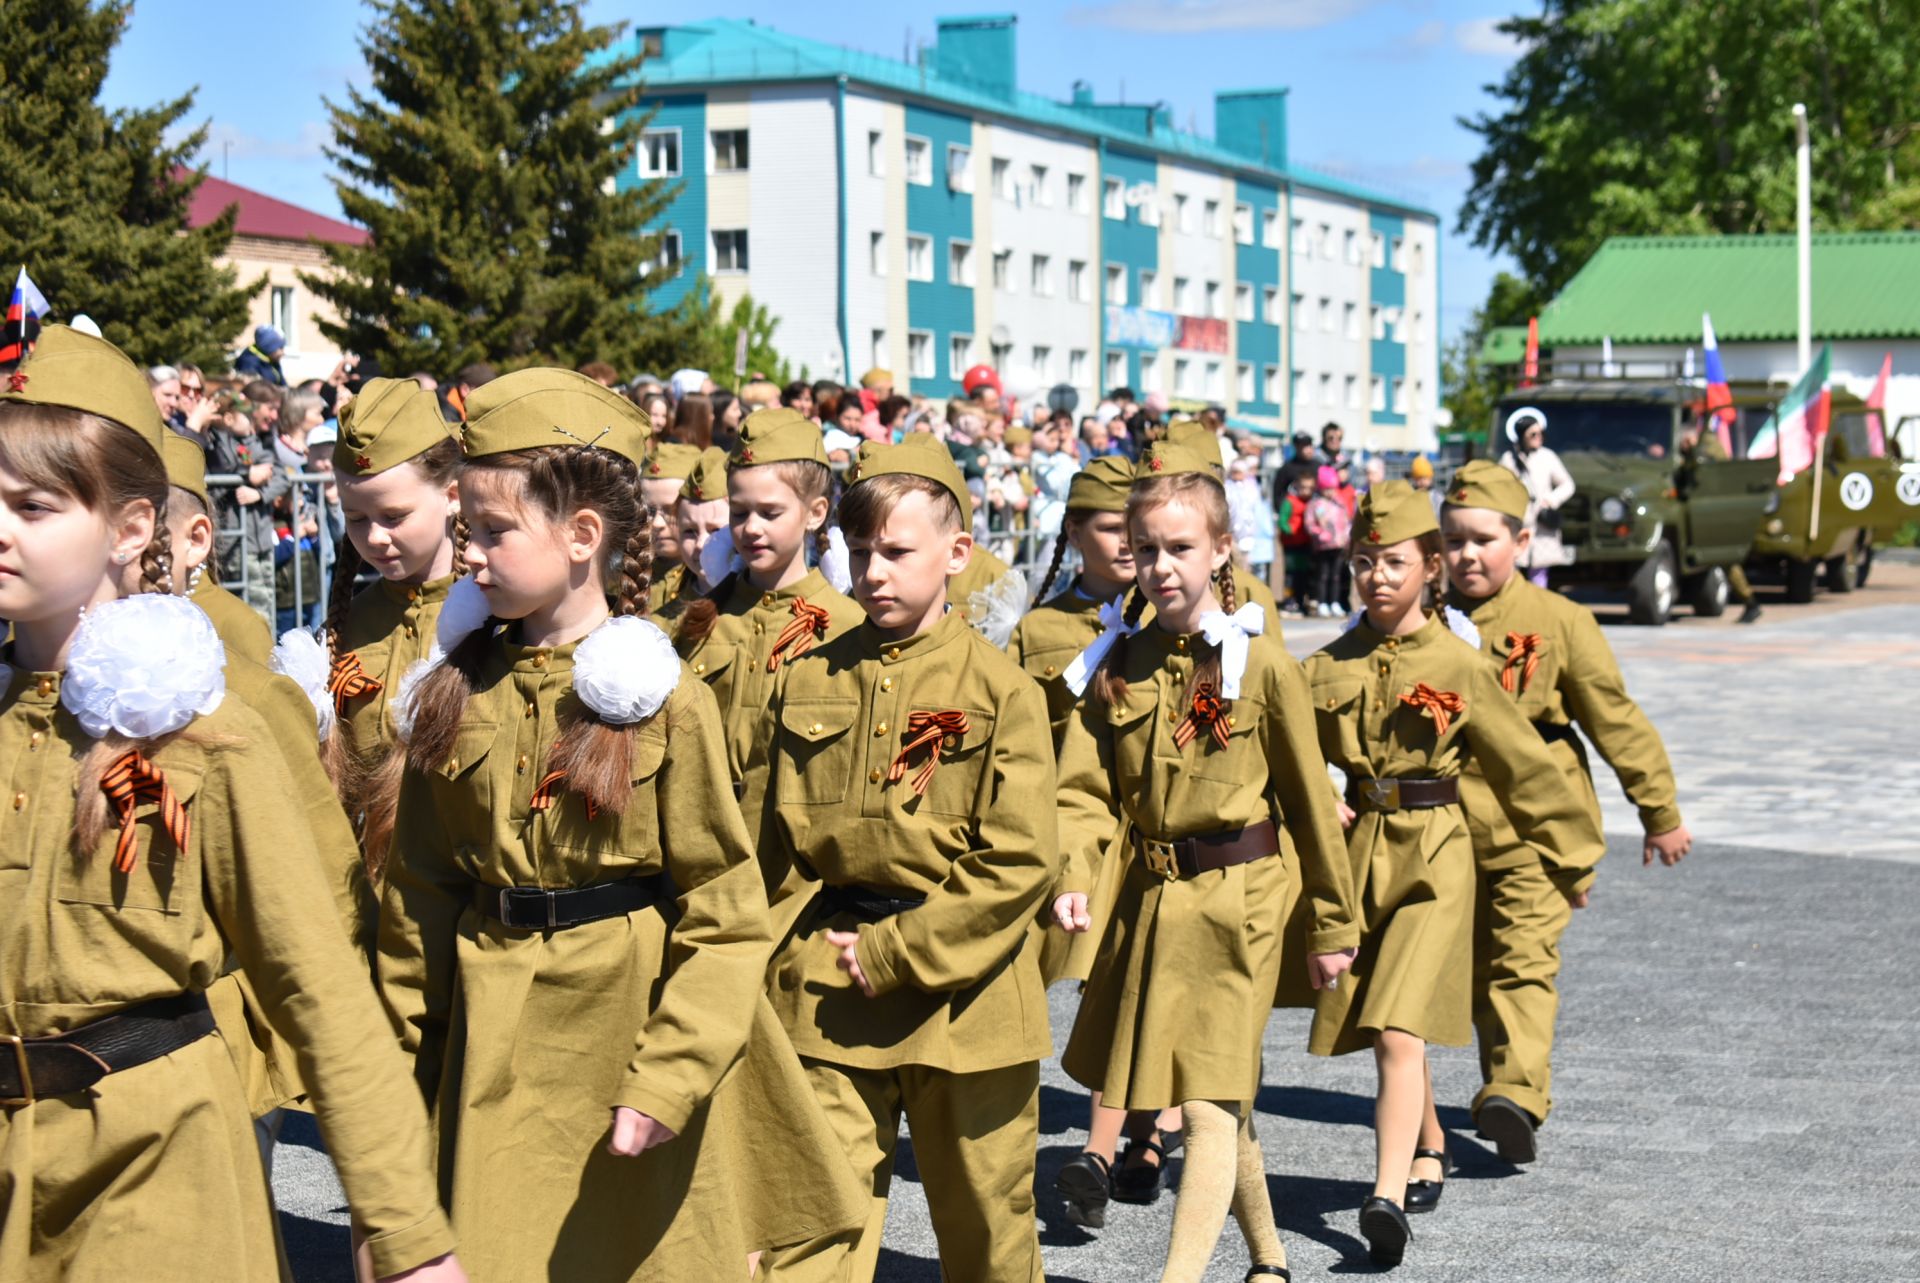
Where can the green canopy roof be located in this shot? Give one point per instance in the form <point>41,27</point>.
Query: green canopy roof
<point>1652,289</point>
<point>1504,345</point>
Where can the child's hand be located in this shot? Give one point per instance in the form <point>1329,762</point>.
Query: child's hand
<point>441,1269</point>
<point>635,1133</point>
<point>848,942</point>
<point>1579,899</point>
<point>1070,913</point>
<point>1325,969</point>
<point>1671,846</point>
<point>1347,815</point>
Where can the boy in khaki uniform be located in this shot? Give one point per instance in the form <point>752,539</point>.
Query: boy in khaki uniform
<point>662,477</point>
<point>1558,668</point>
<point>908,981</point>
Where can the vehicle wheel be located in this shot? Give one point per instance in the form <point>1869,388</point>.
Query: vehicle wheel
<point>1654,587</point>
<point>1800,578</point>
<point>1707,592</point>
<point>1861,571</point>
<point>1843,572</point>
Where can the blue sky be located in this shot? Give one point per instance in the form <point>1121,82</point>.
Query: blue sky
<point>1376,85</point>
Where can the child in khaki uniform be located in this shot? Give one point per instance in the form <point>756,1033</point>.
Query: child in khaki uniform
<point>1195,729</point>
<point>1558,669</point>
<point>1401,703</point>
<point>1204,442</point>
<point>662,477</point>
<point>911,782</point>
<point>144,850</point>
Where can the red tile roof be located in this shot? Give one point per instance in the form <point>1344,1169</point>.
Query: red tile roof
<point>264,216</point>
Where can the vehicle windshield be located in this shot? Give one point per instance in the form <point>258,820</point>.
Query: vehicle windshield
<point>1607,427</point>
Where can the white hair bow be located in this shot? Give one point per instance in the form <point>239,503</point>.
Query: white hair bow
<point>1230,634</point>
<point>1113,626</point>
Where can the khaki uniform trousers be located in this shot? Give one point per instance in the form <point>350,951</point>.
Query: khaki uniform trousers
<point>1519,915</point>
<point>975,1137</point>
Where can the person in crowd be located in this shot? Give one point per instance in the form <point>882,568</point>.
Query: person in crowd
<point>798,395</point>
<point>662,477</point>
<point>759,394</point>
<point>843,410</point>
<point>470,379</point>
<point>1420,473</point>
<point>1253,517</point>
<point>261,358</point>
<point>1332,439</point>
<point>728,411</point>
<point>876,385</point>
<point>1375,471</point>
<point>891,415</point>
<point>1296,544</point>
<point>659,411</point>
<point>1548,483</point>
<point>164,382</point>
<point>266,399</point>
<point>1053,472</point>
<point>600,372</point>
<point>235,447</point>
<point>690,382</point>
<point>297,518</point>
<point>1329,526</point>
<point>693,422</point>
<point>825,390</point>
<point>426,381</point>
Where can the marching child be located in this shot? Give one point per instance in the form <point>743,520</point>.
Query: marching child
<point>1557,668</point>
<point>911,788</point>
<point>144,849</point>
<point>1204,442</point>
<point>700,514</point>
<point>1400,703</point>
<point>1195,727</point>
<point>664,475</point>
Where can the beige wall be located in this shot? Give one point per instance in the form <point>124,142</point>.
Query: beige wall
<point>309,354</point>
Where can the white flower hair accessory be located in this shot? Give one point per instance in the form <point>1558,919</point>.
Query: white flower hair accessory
<point>299,655</point>
<point>1113,626</point>
<point>1233,635</point>
<point>143,666</point>
<point>996,609</point>
<point>625,669</point>
<point>464,613</point>
<point>836,564</point>
<point>718,559</point>
<point>1460,626</point>
<point>400,708</point>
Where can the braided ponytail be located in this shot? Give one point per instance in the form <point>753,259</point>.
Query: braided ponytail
<point>1053,568</point>
<point>1107,685</point>
<point>701,614</point>
<point>156,559</point>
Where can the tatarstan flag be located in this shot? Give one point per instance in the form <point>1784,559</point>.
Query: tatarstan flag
<point>1793,432</point>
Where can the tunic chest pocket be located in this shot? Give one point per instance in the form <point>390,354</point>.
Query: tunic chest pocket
<point>957,784</point>
<point>1532,696</point>
<point>162,877</point>
<point>817,751</point>
<point>713,664</point>
<point>1238,762</point>
<point>1339,709</point>
<point>631,838</point>
<point>462,785</point>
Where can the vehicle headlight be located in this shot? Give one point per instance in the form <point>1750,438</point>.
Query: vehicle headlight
<point>1613,510</point>
<point>1773,503</point>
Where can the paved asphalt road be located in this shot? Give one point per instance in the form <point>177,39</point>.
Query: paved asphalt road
<point>1736,1081</point>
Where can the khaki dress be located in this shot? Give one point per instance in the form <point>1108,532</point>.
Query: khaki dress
<point>241,629</point>
<point>1185,969</point>
<point>523,1041</point>
<point>388,627</point>
<point>1412,870</point>
<point>153,1174</point>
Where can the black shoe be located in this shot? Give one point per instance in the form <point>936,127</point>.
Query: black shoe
<point>1385,1228</point>
<point>1424,1196</point>
<point>1141,1182</point>
<point>1269,1272</point>
<point>1751,613</point>
<point>1086,1182</point>
<point>1509,1127</point>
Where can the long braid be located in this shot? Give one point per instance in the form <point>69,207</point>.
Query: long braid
<point>1206,670</point>
<point>1108,686</point>
<point>1053,570</point>
<point>156,559</point>
<point>636,567</point>
<point>696,623</point>
<point>461,535</point>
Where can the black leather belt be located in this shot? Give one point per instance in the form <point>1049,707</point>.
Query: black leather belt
<point>40,1068</point>
<point>864,903</point>
<point>538,909</point>
<point>1191,856</point>
<point>1401,795</point>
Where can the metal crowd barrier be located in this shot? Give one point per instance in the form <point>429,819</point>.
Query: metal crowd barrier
<point>303,501</point>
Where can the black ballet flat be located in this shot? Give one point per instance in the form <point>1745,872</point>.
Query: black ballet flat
<point>1385,1228</point>
<point>1424,1196</point>
<point>1268,1272</point>
<point>1509,1127</point>
<point>1086,1182</point>
<point>1141,1183</point>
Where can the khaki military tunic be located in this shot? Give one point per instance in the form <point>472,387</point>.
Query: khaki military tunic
<point>389,626</point>
<point>739,664</point>
<point>1185,970</point>
<point>525,1040</point>
<point>153,1174</point>
<point>1557,668</point>
<point>1412,870</point>
<point>241,629</point>
<point>669,595</point>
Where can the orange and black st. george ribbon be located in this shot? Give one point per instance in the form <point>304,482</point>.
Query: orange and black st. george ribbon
<point>1442,706</point>
<point>131,780</point>
<point>348,680</point>
<point>808,625</point>
<point>929,731</point>
<point>547,792</point>
<point>1208,713</point>
<point>1522,661</point>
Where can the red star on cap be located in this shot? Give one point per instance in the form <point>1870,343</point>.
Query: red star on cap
<point>16,381</point>
<point>1156,463</point>
<point>1373,536</point>
<point>654,467</point>
<point>1461,493</point>
<point>746,456</point>
<point>362,462</point>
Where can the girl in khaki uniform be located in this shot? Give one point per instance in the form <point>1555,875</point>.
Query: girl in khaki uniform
<point>1204,442</point>
<point>574,923</point>
<point>662,477</point>
<point>770,609</point>
<point>144,846</point>
<point>396,463</point>
<point>1400,703</point>
<point>1195,725</point>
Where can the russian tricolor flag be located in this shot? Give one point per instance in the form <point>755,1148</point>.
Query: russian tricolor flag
<point>1719,395</point>
<point>27,301</point>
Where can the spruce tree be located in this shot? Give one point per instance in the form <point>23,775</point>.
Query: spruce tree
<point>94,202</point>
<point>482,159</point>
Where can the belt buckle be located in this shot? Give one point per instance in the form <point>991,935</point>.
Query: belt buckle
<point>553,919</point>
<point>1161,859</point>
<point>19,1046</point>
<point>1383,795</point>
<point>505,914</point>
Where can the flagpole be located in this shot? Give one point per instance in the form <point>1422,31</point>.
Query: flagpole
<point>1803,216</point>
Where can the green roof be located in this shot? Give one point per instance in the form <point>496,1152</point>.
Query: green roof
<point>731,51</point>
<point>1652,289</point>
<point>1504,345</point>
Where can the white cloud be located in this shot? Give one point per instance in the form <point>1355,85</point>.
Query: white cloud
<point>1217,15</point>
<point>1483,36</point>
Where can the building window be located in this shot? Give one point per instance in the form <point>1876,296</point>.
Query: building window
<point>730,250</point>
<point>1326,315</point>
<point>1042,194</point>
<point>1243,224</point>
<point>1116,369</point>
<point>1149,282</point>
<point>1299,311</point>
<point>1077,281</point>
<point>1113,200</point>
<point>1376,322</point>
<point>1270,228</point>
<point>1377,393</point>
<point>666,262</point>
<point>280,314</point>
<point>1270,305</point>
<point>959,262</point>
<point>1294,387</point>
<point>1077,193</point>
<point>1417,330</point>
<point>1243,301</point>
<point>1183,295</point>
<point>1350,314</point>
<point>1182,213</point>
<point>1116,294</point>
<point>876,153</point>
<point>1353,247</point>
<point>1211,224</point>
<point>1149,374</point>
<point>1353,392</point>
<point>1000,355</point>
<point>1299,236</point>
<point>1326,240</point>
<point>1377,249</point>
<point>1243,382</point>
<point>1399,396</point>
<point>959,168</point>
<point>1150,208</point>
<point>878,349</point>
<point>1399,259</point>
<point>1419,258</point>
<point>919,354</point>
<point>877,253</point>
<point>1043,363</point>
<point>1215,306</point>
<point>1326,389</point>
<point>1077,367</point>
<point>959,355</point>
<point>1002,178</point>
<point>1003,270</point>
<point>1270,375</point>
<point>919,258</point>
<point>1397,325</point>
<point>919,162</point>
<point>1042,276</point>
<point>660,153</point>
<point>1419,395</point>
<point>729,150</point>
<point>1182,376</point>
<point>1216,384</point>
